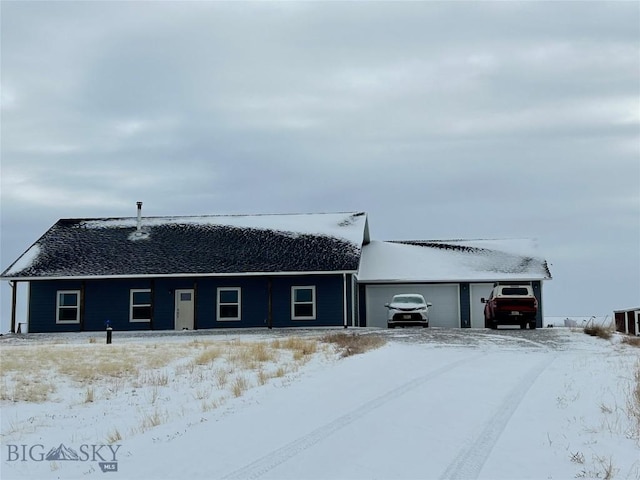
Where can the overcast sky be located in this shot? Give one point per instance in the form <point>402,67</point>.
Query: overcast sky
<point>440,120</point>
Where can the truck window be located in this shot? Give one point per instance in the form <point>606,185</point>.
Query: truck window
<point>515,291</point>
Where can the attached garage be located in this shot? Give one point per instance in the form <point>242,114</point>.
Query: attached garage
<point>453,275</point>
<point>445,298</point>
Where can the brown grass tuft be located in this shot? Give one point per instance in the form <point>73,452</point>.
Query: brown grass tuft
<point>208,356</point>
<point>598,331</point>
<point>114,436</point>
<point>633,341</point>
<point>240,384</point>
<point>353,344</point>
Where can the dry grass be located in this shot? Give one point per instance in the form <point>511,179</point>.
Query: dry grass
<point>353,344</point>
<point>115,365</point>
<point>633,402</point>
<point>209,405</point>
<point>89,395</point>
<point>222,377</point>
<point>263,377</point>
<point>239,386</point>
<point>155,379</point>
<point>577,457</point>
<point>212,371</point>
<point>114,436</point>
<point>632,341</point>
<point>208,356</point>
<point>202,393</point>
<point>300,347</point>
<point>33,389</point>
<point>599,331</point>
<point>152,420</point>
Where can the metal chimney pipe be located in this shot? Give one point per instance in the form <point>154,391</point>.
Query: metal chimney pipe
<point>139,224</point>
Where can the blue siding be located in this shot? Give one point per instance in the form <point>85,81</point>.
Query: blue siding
<point>329,300</point>
<point>42,307</point>
<point>465,305</point>
<point>108,300</point>
<point>362,305</point>
<point>253,298</point>
<point>537,291</point>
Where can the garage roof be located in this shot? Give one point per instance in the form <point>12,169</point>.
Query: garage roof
<point>451,261</point>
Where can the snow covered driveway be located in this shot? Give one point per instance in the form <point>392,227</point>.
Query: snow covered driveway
<point>436,418</point>
<point>430,404</point>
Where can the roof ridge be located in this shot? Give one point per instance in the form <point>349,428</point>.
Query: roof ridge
<point>354,212</point>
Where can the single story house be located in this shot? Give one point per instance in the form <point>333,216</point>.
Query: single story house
<point>280,270</point>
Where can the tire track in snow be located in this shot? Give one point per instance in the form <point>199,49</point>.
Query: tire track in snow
<point>276,457</point>
<point>470,460</point>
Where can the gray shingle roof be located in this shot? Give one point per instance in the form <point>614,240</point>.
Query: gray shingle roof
<point>195,245</point>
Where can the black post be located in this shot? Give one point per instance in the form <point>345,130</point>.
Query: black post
<point>109,332</point>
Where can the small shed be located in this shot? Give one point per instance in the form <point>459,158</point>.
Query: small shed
<point>628,320</point>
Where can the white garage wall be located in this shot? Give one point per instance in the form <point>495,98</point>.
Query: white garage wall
<point>445,298</point>
<point>478,291</point>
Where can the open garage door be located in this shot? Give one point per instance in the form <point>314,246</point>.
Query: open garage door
<point>445,298</point>
<point>478,291</point>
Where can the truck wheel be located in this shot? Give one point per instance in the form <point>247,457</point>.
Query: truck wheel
<point>532,325</point>
<point>523,326</point>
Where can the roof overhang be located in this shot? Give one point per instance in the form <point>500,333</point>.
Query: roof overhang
<point>398,281</point>
<point>177,275</point>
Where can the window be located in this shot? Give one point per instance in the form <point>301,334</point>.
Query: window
<point>68,306</point>
<point>303,303</point>
<point>228,304</point>
<point>140,305</point>
<point>515,291</point>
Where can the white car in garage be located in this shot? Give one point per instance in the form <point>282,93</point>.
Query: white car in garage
<point>407,309</point>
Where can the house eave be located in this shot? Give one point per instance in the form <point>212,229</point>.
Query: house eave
<point>176,275</point>
<point>449,280</point>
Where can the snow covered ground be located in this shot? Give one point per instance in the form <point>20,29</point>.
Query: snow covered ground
<point>429,404</point>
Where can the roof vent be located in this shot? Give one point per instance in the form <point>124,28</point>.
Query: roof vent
<point>139,223</point>
<point>139,233</point>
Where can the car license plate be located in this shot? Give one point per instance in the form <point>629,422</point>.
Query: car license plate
<point>406,317</point>
<point>515,314</point>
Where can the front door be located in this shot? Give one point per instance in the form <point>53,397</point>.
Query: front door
<point>184,309</point>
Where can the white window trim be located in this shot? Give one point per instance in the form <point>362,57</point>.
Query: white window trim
<point>131,292</point>
<point>219,304</point>
<point>58,307</point>
<point>293,302</point>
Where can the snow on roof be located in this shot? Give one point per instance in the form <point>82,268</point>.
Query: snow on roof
<point>460,260</point>
<point>202,245</point>
<point>25,261</point>
<point>348,225</point>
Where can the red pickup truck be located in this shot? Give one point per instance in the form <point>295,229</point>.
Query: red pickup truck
<point>510,305</point>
